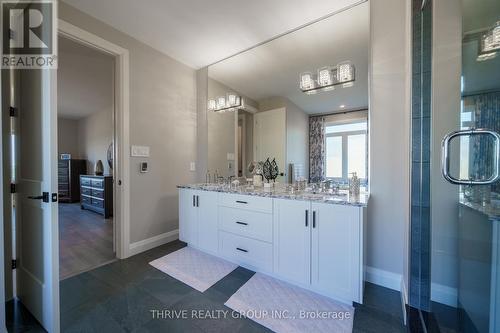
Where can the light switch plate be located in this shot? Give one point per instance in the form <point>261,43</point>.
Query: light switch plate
<point>192,166</point>
<point>139,151</point>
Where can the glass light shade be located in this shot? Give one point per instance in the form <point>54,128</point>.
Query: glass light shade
<point>306,81</point>
<point>233,100</point>
<point>486,56</point>
<point>212,104</point>
<point>325,77</point>
<point>345,72</point>
<point>221,102</point>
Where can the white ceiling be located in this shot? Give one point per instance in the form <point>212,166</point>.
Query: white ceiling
<point>201,32</point>
<point>84,80</point>
<point>273,69</point>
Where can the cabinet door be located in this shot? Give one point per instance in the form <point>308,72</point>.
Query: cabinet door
<point>207,205</point>
<point>188,217</point>
<point>336,251</point>
<point>292,240</point>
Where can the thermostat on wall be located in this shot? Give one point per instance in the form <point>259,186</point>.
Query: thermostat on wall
<point>144,167</point>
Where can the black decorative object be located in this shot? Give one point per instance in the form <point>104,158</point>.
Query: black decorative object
<point>110,155</point>
<point>270,170</point>
<point>267,170</point>
<point>274,170</point>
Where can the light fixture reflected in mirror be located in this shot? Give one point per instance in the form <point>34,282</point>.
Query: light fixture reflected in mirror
<point>230,102</point>
<point>327,78</point>
<point>489,44</point>
<point>212,104</point>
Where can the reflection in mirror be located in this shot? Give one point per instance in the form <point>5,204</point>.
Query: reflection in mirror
<point>291,101</point>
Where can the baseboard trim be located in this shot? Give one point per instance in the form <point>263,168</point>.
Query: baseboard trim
<point>383,278</point>
<point>149,243</point>
<point>444,294</point>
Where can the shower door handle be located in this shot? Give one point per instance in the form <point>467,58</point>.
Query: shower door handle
<point>445,157</point>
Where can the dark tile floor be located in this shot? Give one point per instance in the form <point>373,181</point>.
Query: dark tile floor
<point>85,240</point>
<point>120,297</point>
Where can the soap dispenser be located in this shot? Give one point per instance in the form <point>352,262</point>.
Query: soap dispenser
<point>354,184</point>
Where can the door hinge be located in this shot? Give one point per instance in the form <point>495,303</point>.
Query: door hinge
<point>12,188</point>
<point>14,263</point>
<point>13,111</point>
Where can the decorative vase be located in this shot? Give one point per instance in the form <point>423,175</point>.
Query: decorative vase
<point>99,168</point>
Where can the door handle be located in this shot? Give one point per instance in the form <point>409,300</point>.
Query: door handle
<point>197,201</point>
<point>44,197</point>
<point>445,157</point>
<point>242,250</point>
<point>314,219</point>
<point>242,223</point>
<point>307,218</point>
<point>194,201</point>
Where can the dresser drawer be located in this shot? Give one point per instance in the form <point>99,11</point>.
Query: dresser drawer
<point>98,193</point>
<point>98,183</point>
<point>247,223</point>
<point>242,250</point>
<point>86,200</point>
<point>85,181</point>
<point>98,203</point>
<point>248,202</point>
<point>86,191</point>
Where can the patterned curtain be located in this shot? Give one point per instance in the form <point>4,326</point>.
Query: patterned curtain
<point>316,149</point>
<point>486,114</point>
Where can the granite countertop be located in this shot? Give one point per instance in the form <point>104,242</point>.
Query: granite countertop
<point>490,210</point>
<point>280,192</point>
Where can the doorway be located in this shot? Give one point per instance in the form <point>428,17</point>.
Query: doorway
<point>86,183</point>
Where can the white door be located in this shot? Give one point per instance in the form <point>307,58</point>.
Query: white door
<point>335,250</point>
<point>188,217</point>
<point>37,220</point>
<point>270,138</point>
<point>292,240</point>
<point>206,203</point>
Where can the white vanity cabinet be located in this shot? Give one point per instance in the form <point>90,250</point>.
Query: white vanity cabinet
<point>198,219</point>
<point>337,251</point>
<point>319,246</point>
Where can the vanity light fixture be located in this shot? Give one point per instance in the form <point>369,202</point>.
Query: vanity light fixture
<point>328,78</point>
<point>489,44</point>
<point>230,102</point>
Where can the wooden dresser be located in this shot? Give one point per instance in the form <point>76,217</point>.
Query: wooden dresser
<point>69,172</point>
<point>97,194</point>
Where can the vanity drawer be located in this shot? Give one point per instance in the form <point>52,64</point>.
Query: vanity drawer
<point>86,191</point>
<point>249,202</point>
<point>247,223</point>
<point>242,250</point>
<point>85,181</point>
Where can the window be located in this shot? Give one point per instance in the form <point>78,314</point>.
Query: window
<point>346,149</point>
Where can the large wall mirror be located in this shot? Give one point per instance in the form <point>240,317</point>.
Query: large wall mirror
<point>291,100</point>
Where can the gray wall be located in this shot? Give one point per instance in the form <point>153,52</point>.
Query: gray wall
<point>389,116</point>
<point>162,116</point>
<point>67,137</point>
<point>95,134</point>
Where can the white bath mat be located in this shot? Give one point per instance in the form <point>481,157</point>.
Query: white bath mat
<point>283,307</point>
<point>195,268</point>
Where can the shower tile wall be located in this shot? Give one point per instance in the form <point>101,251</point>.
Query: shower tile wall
<point>420,176</point>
